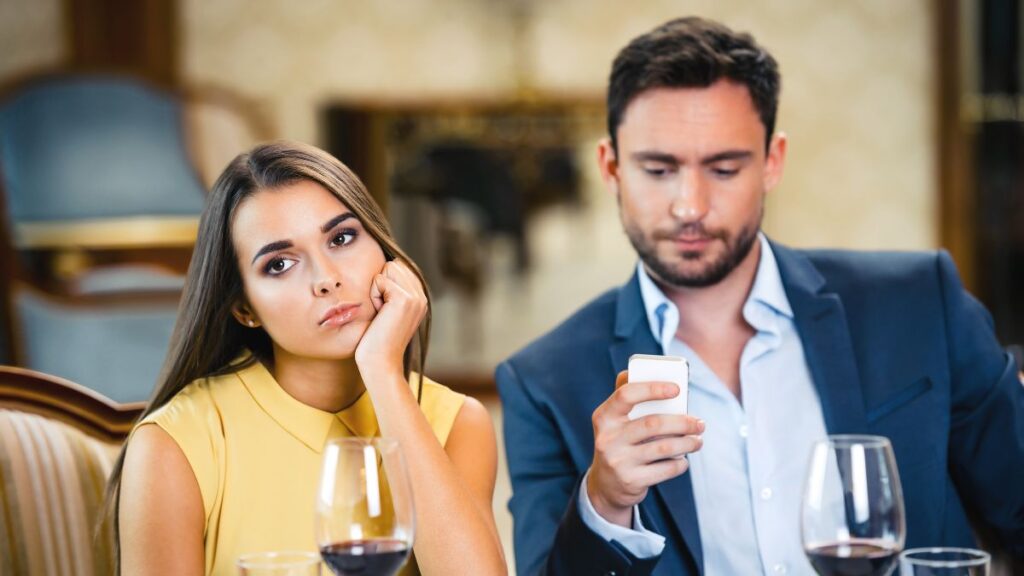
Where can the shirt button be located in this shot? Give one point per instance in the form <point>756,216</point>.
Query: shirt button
<point>744,431</point>
<point>766,494</point>
<point>779,569</point>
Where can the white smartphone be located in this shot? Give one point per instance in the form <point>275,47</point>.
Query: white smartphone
<point>648,368</point>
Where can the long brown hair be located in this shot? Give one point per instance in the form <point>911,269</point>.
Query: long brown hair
<point>206,336</point>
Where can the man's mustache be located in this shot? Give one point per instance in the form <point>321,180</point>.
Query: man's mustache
<point>690,231</point>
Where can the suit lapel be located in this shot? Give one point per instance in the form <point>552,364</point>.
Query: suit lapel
<point>825,336</point>
<point>633,336</point>
<point>828,349</point>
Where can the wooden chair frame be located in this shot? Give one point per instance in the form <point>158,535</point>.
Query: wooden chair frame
<point>63,400</point>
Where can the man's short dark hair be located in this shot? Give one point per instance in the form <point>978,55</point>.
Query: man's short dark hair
<point>693,53</point>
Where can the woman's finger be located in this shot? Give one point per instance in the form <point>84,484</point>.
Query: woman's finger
<point>401,273</point>
<point>390,288</point>
<point>377,292</point>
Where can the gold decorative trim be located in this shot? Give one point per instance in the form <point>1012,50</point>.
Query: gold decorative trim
<point>138,232</point>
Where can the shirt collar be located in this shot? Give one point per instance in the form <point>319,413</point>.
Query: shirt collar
<point>658,308</point>
<point>309,425</point>
<point>768,288</point>
<point>767,291</point>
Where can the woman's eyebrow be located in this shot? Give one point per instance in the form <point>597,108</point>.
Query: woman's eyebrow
<point>272,247</point>
<point>335,221</point>
<point>282,244</point>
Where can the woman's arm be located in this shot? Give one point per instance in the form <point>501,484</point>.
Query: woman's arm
<point>472,449</point>
<point>161,509</point>
<point>452,491</point>
<point>453,486</point>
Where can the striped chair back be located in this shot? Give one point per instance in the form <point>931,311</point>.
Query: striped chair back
<point>58,442</point>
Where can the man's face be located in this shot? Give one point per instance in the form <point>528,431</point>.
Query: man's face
<point>690,176</point>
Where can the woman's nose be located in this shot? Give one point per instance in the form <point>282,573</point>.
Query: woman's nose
<point>326,275</point>
<point>326,286</point>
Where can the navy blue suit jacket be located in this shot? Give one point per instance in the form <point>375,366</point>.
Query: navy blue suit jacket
<point>895,347</point>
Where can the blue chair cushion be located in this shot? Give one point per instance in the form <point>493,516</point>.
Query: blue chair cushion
<point>84,148</point>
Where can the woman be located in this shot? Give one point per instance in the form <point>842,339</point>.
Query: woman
<point>301,320</point>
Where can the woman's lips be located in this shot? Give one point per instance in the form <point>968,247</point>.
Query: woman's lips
<point>339,315</point>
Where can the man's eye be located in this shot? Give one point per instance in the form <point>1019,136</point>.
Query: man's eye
<point>655,171</point>
<point>278,266</point>
<point>725,173</point>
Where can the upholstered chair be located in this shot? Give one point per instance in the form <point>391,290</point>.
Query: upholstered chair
<point>58,442</point>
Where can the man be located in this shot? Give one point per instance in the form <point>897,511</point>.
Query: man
<point>785,347</point>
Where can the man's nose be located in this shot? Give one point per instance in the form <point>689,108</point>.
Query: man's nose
<point>690,202</point>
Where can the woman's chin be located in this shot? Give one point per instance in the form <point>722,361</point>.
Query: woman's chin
<point>341,345</point>
<point>337,344</point>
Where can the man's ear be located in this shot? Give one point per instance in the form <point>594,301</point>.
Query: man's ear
<point>608,163</point>
<point>775,162</point>
<point>245,315</point>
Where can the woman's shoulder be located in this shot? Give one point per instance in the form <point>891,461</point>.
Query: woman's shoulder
<point>434,394</point>
<point>439,404</point>
<point>192,419</point>
<point>199,402</point>
<point>431,386</point>
<point>197,410</point>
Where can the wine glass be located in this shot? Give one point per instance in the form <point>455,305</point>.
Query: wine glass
<point>279,564</point>
<point>944,562</point>
<point>852,520</point>
<point>364,510</point>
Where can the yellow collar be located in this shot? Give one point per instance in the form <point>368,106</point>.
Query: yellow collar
<point>309,425</point>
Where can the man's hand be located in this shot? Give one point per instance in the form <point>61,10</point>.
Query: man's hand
<point>630,456</point>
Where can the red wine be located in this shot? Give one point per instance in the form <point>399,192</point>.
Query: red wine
<point>855,558</point>
<point>365,557</point>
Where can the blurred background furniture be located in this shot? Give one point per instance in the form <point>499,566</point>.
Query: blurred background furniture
<point>102,204</point>
<point>219,125</point>
<point>58,442</point>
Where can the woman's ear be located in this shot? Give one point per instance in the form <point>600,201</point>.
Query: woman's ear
<point>245,315</point>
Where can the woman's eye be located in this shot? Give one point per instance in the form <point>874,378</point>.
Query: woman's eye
<point>278,266</point>
<point>343,238</point>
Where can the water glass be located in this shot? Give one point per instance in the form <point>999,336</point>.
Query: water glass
<point>944,562</point>
<point>279,564</point>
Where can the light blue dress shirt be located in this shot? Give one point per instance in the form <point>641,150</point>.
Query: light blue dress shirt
<point>748,477</point>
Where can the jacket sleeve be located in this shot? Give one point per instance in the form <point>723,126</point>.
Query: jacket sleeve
<point>986,447</point>
<point>550,536</point>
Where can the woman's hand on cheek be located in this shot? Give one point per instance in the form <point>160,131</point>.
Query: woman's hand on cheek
<point>401,304</point>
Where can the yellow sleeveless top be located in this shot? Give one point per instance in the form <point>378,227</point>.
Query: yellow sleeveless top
<point>256,451</point>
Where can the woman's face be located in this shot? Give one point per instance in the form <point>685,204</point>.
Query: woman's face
<point>307,265</point>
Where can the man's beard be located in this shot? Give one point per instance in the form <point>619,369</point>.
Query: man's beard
<point>736,249</point>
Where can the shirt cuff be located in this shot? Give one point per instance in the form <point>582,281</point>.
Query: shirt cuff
<point>639,542</point>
